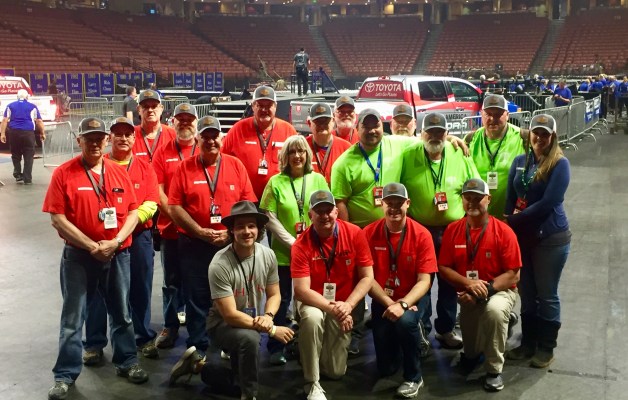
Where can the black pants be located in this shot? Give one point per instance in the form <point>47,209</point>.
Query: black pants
<point>302,80</point>
<point>22,145</point>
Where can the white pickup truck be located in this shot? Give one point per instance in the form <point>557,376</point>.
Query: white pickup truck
<point>9,85</point>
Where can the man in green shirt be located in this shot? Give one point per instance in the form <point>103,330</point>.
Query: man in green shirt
<point>493,147</point>
<point>433,172</point>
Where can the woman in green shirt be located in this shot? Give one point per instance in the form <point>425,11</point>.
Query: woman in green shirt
<point>286,201</point>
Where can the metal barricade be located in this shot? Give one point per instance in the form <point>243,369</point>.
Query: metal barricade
<point>104,110</point>
<point>204,110</point>
<point>529,102</point>
<point>59,145</point>
<point>170,103</point>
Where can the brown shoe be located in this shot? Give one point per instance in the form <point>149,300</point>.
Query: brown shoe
<point>167,338</point>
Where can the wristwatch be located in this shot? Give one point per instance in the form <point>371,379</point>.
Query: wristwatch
<point>120,241</point>
<point>404,305</point>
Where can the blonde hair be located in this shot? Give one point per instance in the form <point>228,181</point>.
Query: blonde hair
<point>295,142</point>
<point>548,159</point>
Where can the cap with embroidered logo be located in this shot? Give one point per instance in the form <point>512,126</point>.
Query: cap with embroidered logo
<point>264,93</point>
<point>320,110</point>
<point>121,121</point>
<point>321,197</point>
<point>395,190</point>
<point>206,123</point>
<point>434,121</point>
<point>344,101</point>
<point>495,101</point>
<point>185,108</point>
<point>92,125</point>
<point>475,185</point>
<point>402,109</point>
<point>149,95</point>
<point>543,121</point>
<point>368,112</point>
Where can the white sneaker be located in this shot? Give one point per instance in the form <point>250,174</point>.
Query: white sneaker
<point>316,392</point>
<point>449,340</point>
<point>181,317</point>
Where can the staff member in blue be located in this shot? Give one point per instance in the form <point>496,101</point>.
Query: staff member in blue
<point>22,118</point>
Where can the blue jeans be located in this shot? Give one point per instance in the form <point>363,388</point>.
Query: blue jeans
<point>172,288</point>
<point>538,284</point>
<point>285,289</point>
<point>81,276</point>
<point>195,256</point>
<point>398,340</point>
<point>141,255</point>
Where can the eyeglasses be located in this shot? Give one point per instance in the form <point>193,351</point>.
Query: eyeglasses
<point>93,139</point>
<point>296,151</point>
<point>323,210</point>
<point>124,135</point>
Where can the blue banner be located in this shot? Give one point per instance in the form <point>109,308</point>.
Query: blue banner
<point>7,71</point>
<point>188,80</point>
<point>60,80</point>
<point>209,81</point>
<point>75,83</point>
<point>218,82</point>
<point>107,84</point>
<point>39,83</point>
<point>588,113</point>
<point>199,82</point>
<point>123,79</point>
<point>149,77</point>
<point>136,80</point>
<point>178,79</point>
<point>92,85</point>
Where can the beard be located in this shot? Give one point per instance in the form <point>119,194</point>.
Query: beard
<point>434,148</point>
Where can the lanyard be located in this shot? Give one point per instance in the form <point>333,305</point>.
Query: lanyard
<point>322,166</point>
<point>263,144</point>
<point>377,171</point>
<point>300,198</point>
<point>211,183</point>
<point>329,259</point>
<point>394,254</point>
<point>525,181</point>
<point>247,282</point>
<point>492,156</point>
<point>99,188</point>
<point>151,150</point>
<point>437,177</point>
<point>472,248</point>
<point>176,143</point>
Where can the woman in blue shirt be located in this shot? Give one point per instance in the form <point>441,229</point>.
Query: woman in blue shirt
<point>537,183</point>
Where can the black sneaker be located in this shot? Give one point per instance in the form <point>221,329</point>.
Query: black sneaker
<point>134,374</point>
<point>493,382</point>
<point>18,177</point>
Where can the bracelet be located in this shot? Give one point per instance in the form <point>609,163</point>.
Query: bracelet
<point>271,315</point>
<point>273,330</point>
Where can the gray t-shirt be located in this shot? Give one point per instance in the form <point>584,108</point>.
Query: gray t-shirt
<point>226,278</point>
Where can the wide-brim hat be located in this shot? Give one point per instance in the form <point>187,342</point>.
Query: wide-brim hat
<point>244,209</point>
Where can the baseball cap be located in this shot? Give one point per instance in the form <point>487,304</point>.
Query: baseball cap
<point>544,121</point>
<point>369,111</point>
<point>92,125</point>
<point>149,95</point>
<point>395,190</point>
<point>495,101</point>
<point>434,120</point>
<point>185,108</point>
<point>475,185</point>
<point>402,109</point>
<point>207,122</point>
<point>264,93</point>
<point>344,101</point>
<point>320,197</point>
<point>121,121</point>
<point>320,110</point>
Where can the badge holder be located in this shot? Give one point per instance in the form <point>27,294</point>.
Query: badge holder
<point>473,275</point>
<point>215,217</point>
<point>299,227</point>
<point>378,194</point>
<point>520,205</point>
<point>329,291</point>
<point>108,217</point>
<point>262,168</point>
<point>492,180</point>
<point>440,201</point>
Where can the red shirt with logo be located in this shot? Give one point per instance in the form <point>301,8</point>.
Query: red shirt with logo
<point>352,252</point>
<point>416,256</point>
<point>72,194</point>
<point>352,137</point>
<point>190,189</point>
<point>337,147</point>
<point>141,151</point>
<point>242,142</point>
<point>497,253</point>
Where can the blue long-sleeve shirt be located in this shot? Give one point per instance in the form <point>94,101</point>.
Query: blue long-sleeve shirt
<point>544,214</point>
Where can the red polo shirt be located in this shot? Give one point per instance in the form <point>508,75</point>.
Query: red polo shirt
<point>141,151</point>
<point>352,138</point>
<point>337,147</point>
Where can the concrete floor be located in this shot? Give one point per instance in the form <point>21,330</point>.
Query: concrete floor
<point>591,360</point>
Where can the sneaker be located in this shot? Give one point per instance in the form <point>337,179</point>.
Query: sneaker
<point>28,182</point>
<point>354,347</point>
<point>181,316</point>
<point>149,350</point>
<point>409,389</point>
<point>134,374</point>
<point>449,340</point>
<point>18,177</point>
<point>522,352</point>
<point>542,358</point>
<point>278,358</point>
<point>185,365</point>
<point>92,357</point>
<point>493,382</point>
<point>512,322</point>
<point>59,391</point>
<point>316,392</point>
<point>167,338</point>
<point>225,355</point>
<point>425,346</point>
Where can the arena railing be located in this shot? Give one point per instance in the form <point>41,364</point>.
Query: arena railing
<point>59,145</point>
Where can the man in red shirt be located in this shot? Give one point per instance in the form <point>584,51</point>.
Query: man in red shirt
<point>326,148</point>
<point>92,206</point>
<point>256,140</point>
<point>480,257</point>
<point>404,257</point>
<point>204,188</point>
<point>151,133</point>
<point>332,271</point>
<point>144,181</point>
<point>165,163</point>
<point>345,119</point>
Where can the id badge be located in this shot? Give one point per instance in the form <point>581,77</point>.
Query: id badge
<point>473,275</point>
<point>440,200</point>
<point>250,311</point>
<point>110,220</point>
<point>329,291</point>
<point>214,214</point>
<point>378,193</point>
<point>491,180</point>
<point>520,205</point>
<point>262,168</point>
<point>299,227</point>
<point>389,291</point>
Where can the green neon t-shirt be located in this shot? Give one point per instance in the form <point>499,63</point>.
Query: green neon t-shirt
<point>353,180</point>
<point>510,148</point>
<point>279,198</point>
<point>418,178</point>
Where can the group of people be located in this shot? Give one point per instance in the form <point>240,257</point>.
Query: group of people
<point>348,210</point>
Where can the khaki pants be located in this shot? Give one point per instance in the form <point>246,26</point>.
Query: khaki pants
<point>485,329</point>
<point>322,344</point>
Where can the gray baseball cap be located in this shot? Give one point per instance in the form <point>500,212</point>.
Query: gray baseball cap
<point>395,190</point>
<point>495,101</point>
<point>185,108</point>
<point>264,93</point>
<point>206,123</point>
<point>121,121</point>
<point>344,101</point>
<point>434,120</point>
<point>403,109</point>
<point>543,121</point>
<point>92,125</point>
<point>149,95</point>
<point>367,112</point>
<point>320,197</point>
<point>475,185</point>
<point>320,110</point>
